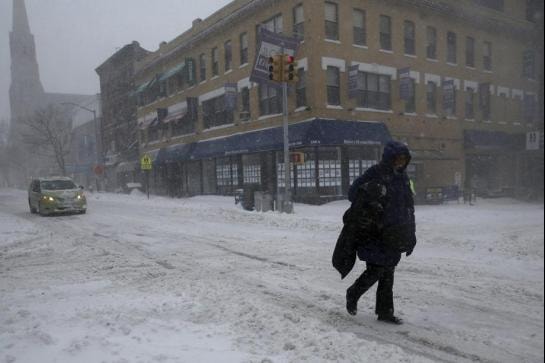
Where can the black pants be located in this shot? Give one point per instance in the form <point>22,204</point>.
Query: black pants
<point>385,296</point>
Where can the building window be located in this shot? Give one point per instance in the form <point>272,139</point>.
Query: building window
<point>202,67</point>
<point>331,21</point>
<point>492,4</point>
<point>243,48</point>
<point>245,104</point>
<point>252,174</point>
<point>431,46</point>
<point>215,113</point>
<point>215,63</point>
<point>431,97</point>
<point>487,56</point>
<point>183,126</point>
<point>306,174</point>
<point>451,48</point>
<point>385,32</point>
<point>329,172</point>
<point>299,22</point>
<point>484,101</point>
<point>281,173</point>
<point>226,173</point>
<point>270,100</point>
<point>449,103</point>
<point>374,91</point>
<point>470,104</point>
<point>410,104</point>
<point>228,55</point>
<point>333,86</point>
<point>410,37</point>
<point>301,88</point>
<point>275,24</point>
<point>470,52</point>
<point>529,64</point>
<point>359,27</point>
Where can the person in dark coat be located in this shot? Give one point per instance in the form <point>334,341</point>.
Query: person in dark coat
<point>383,213</point>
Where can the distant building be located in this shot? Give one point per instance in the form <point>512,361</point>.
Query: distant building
<point>27,95</point>
<point>118,130</point>
<point>472,90</point>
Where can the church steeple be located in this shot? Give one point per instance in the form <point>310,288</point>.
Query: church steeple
<point>26,90</point>
<point>20,18</point>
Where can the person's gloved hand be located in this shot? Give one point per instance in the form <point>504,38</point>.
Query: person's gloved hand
<point>408,253</point>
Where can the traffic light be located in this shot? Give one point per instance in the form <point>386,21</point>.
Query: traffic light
<point>275,68</point>
<point>290,69</point>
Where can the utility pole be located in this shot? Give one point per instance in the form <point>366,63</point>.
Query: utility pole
<point>288,205</point>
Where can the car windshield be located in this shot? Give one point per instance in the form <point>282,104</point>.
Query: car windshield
<point>58,185</point>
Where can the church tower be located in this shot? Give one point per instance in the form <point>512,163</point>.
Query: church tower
<point>26,91</point>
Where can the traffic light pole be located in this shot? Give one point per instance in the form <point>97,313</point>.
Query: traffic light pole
<point>288,206</point>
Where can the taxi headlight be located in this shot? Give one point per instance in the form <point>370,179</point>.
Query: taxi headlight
<point>48,198</point>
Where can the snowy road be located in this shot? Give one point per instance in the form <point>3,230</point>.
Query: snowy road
<point>200,280</point>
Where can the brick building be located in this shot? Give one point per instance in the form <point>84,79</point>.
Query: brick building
<point>471,69</point>
<point>118,127</point>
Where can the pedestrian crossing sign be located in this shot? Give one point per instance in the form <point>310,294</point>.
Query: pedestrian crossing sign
<point>145,162</point>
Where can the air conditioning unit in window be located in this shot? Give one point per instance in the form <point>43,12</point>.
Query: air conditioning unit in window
<point>244,116</point>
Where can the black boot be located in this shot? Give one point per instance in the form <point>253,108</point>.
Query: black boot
<point>391,319</point>
<point>351,303</point>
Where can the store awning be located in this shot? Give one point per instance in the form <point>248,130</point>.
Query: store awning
<point>324,132</point>
<point>173,71</point>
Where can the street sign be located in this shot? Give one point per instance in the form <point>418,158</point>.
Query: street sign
<point>271,44</point>
<point>145,162</point>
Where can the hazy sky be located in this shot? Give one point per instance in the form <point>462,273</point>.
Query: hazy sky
<point>73,37</point>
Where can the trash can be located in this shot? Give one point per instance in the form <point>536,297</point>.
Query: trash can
<point>248,202</point>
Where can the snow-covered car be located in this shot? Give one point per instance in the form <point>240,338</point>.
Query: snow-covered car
<point>56,195</point>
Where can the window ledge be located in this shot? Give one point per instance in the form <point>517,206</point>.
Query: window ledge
<point>452,64</point>
<point>487,121</point>
<point>432,60</point>
<point>332,41</point>
<point>517,124</point>
<point>334,107</point>
<point>452,118</point>
<point>360,46</point>
<point>487,71</point>
<point>202,82</point>
<point>387,51</point>
<point>469,119</point>
<point>215,77</point>
<point>229,71</point>
<point>502,123</point>
<point>471,68</point>
<point>243,65</point>
<point>365,109</point>
<point>410,56</point>
<point>265,117</point>
<point>410,114</point>
<point>218,127</point>
<point>301,109</point>
<point>431,115</point>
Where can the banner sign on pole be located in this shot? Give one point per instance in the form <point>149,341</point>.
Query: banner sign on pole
<point>270,44</point>
<point>353,72</point>
<point>405,83</point>
<point>449,95</point>
<point>231,93</point>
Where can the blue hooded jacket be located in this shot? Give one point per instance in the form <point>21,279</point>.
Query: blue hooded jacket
<point>396,222</point>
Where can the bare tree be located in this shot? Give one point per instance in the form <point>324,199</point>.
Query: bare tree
<point>48,133</point>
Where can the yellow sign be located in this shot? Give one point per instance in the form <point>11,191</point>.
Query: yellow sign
<point>145,162</point>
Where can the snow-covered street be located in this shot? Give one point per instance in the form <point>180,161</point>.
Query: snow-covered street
<point>201,280</point>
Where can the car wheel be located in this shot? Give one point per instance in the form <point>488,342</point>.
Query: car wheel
<point>32,209</point>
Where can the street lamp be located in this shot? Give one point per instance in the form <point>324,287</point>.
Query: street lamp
<point>97,153</point>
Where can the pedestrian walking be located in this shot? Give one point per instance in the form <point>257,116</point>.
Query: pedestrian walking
<point>379,226</point>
